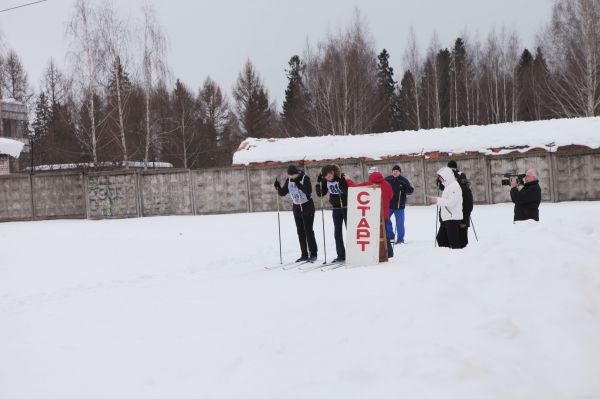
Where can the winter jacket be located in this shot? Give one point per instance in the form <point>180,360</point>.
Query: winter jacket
<point>451,201</point>
<point>300,189</point>
<point>527,201</point>
<point>376,178</point>
<point>400,187</point>
<point>467,195</point>
<point>337,190</point>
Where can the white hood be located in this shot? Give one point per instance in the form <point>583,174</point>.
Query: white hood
<point>451,200</point>
<point>447,174</point>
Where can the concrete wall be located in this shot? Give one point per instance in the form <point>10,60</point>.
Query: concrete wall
<point>112,195</point>
<point>166,193</point>
<point>15,198</point>
<point>102,195</point>
<point>58,196</point>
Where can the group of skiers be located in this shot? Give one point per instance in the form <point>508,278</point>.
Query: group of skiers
<point>454,206</point>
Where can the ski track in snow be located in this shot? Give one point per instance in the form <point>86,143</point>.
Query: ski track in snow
<point>183,307</point>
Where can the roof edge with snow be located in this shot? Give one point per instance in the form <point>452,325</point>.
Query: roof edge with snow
<point>11,147</point>
<point>499,139</point>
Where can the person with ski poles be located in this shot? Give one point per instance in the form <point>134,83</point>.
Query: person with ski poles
<point>333,182</point>
<point>467,204</point>
<point>299,186</point>
<point>450,208</point>
<point>401,188</point>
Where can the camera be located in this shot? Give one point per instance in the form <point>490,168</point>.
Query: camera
<point>508,176</point>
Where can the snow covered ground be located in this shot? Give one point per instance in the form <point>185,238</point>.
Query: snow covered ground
<point>182,307</point>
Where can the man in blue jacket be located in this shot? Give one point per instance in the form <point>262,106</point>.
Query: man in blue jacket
<point>401,188</point>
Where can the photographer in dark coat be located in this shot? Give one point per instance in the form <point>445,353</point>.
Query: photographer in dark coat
<point>527,200</point>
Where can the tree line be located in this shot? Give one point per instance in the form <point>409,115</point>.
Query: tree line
<point>116,100</point>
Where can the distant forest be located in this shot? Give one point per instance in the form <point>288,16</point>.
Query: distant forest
<point>117,101</point>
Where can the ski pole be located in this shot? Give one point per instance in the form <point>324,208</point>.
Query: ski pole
<point>437,212</point>
<point>323,220</point>
<point>474,231</point>
<point>279,229</point>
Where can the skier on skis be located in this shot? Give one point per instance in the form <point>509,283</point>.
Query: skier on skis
<point>299,187</point>
<point>333,182</point>
<point>401,187</point>
<point>450,209</point>
<point>467,204</point>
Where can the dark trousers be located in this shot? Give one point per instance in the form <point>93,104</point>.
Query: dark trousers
<point>304,216</point>
<point>340,217</point>
<point>463,236</point>
<point>448,236</point>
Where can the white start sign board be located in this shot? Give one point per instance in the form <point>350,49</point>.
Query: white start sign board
<point>362,238</point>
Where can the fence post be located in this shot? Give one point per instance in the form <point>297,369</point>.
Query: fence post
<point>31,196</point>
<point>84,196</point>
<point>139,195</point>
<point>192,191</point>
<point>424,180</point>
<point>554,196</point>
<point>489,191</point>
<point>248,196</point>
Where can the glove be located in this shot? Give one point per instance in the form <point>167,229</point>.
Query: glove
<point>318,190</point>
<point>320,178</point>
<point>277,185</point>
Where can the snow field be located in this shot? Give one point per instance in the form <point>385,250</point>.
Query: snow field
<point>182,307</point>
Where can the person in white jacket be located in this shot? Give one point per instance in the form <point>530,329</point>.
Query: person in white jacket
<point>450,206</point>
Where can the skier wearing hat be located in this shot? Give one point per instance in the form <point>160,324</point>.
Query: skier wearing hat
<point>299,187</point>
<point>401,188</point>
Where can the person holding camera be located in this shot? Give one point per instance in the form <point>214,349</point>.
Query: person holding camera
<point>299,187</point>
<point>527,199</point>
<point>450,209</point>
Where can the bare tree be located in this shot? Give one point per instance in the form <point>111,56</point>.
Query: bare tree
<point>86,54</point>
<point>341,77</point>
<point>572,44</point>
<point>412,62</point>
<point>115,36</point>
<point>154,71</point>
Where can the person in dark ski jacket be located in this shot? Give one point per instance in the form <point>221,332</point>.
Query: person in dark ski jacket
<point>333,182</point>
<point>299,187</point>
<point>401,188</point>
<point>467,196</point>
<point>527,200</point>
<point>376,179</point>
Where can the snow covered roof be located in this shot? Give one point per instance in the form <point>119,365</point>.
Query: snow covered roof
<point>70,166</point>
<point>491,140</point>
<point>11,147</point>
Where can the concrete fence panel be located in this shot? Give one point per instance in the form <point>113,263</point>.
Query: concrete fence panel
<point>220,191</point>
<point>112,195</point>
<point>519,164</point>
<point>578,177</point>
<point>15,198</point>
<point>166,193</point>
<point>59,196</point>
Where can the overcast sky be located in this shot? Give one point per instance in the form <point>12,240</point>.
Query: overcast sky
<point>216,37</point>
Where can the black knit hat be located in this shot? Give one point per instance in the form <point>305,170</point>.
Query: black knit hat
<point>292,170</point>
<point>452,164</point>
<point>396,167</point>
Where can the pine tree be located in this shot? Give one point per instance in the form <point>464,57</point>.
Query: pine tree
<point>40,129</point>
<point>387,98</point>
<point>407,101</point>
<point>252,104</point>
<point>541,79</point>
<point>526,85</point>
<point>295,115</point>
<point>444,87</point>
